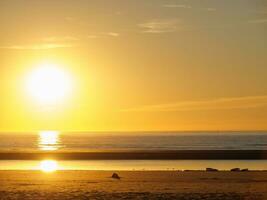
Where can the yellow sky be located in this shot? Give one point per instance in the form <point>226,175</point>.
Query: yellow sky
<point>136,65</point>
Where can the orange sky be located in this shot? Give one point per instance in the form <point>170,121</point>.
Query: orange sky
<point>146,65</point>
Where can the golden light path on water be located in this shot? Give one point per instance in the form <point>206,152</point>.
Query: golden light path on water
<point>49,140</point>
<point>128,165</point>
<point>48,166</point>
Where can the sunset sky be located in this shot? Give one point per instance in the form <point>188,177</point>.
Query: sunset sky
<point>135,65</point>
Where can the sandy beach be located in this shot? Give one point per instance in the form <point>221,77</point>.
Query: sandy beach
<point>133,185</point>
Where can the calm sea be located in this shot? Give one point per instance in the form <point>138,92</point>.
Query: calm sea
<point>53,140</point>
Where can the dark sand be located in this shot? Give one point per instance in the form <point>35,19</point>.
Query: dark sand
<point>139,155</point>
<point>133,185</point>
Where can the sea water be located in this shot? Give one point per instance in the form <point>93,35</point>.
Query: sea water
<point>53,140</point>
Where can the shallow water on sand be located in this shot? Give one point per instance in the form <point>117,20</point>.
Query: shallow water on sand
<point>132,164</point>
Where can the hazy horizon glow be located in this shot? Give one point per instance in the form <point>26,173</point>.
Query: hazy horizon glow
<point>133,66</point>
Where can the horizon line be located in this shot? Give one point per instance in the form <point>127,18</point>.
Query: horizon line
<point>139,131</point>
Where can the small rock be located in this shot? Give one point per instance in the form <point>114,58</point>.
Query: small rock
<point>211,169</point>
<point>116,176</point>
<point>235,170</point>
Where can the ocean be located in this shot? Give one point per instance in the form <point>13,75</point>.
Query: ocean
<point>53,140</point>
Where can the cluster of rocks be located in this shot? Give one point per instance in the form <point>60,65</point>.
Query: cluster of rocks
<point>239,170</point>
<point>211,169</point>
<point>232,170</point>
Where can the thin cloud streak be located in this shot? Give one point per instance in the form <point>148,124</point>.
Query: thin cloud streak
<point>61,39</point>
<point>214,104</point>
<point>184,6</point>
<point>36,47</point>
<point>103,35</point>
<point>257,21</point>
<point>55,42</point>
<point>210,9</point>
<point>176,6</point>
<point>159,26</point>
<point>113,34</point>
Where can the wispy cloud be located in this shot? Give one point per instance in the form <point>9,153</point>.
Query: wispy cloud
<point>70,19</point>
<point>257,21</point>
<point>160,26</point>
<point>103,35</point>
<point>36,46</point>
<point>55,42</point>
<point>93,36</point>
<point>263,12</point>
<point>210,9</point>
<point>214,104</point>
<point>61,39</point>
<point>113,34</point>
<point>176,6</point>
<point>187,7</point>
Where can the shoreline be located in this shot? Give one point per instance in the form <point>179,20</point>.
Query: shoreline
<point>126,171</point>
<point>139,165</point>
<point>139,155</point>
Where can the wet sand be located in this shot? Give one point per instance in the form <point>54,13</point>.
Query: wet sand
<point>133,185</point>
<point>138,155</point>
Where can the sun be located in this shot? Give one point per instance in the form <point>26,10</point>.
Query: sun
<point>48,166</point>
<point>49,83</point>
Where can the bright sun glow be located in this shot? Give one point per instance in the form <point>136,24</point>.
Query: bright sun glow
<point>48,166</point>
<point>48,83</point>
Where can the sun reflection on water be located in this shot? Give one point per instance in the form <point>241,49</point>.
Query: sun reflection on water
<point>49,140</point>
<point>48,165</point>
